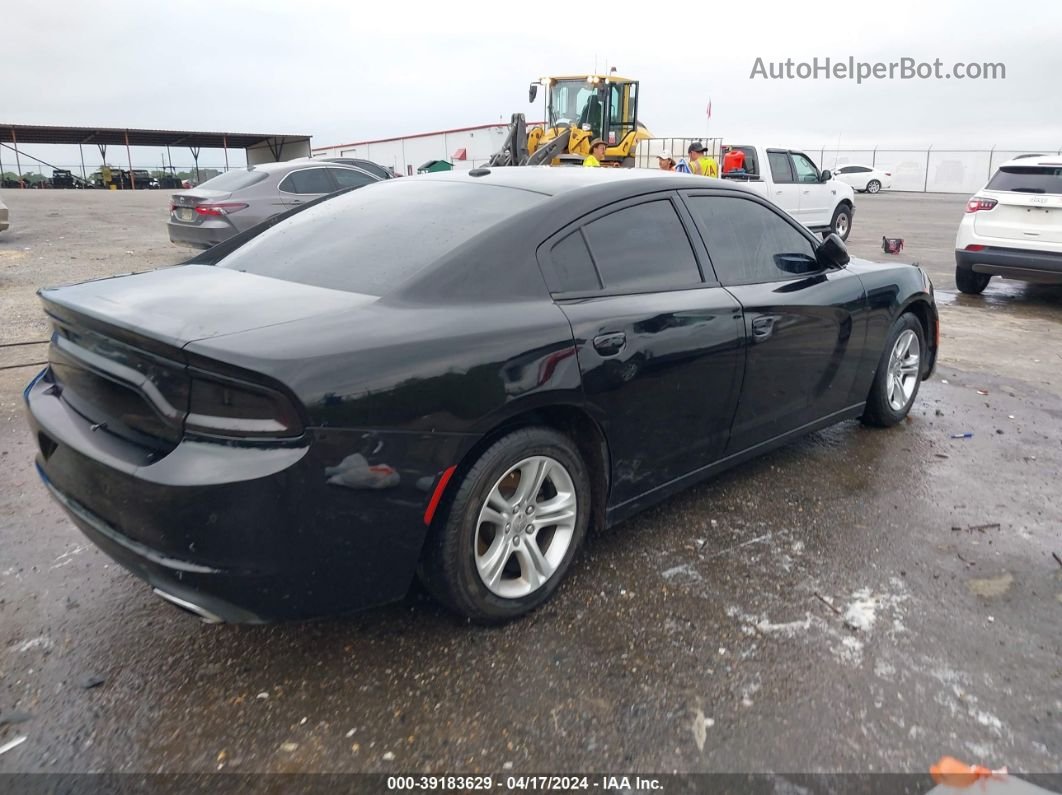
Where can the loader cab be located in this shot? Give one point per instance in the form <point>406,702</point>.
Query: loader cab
<point>605,107</point>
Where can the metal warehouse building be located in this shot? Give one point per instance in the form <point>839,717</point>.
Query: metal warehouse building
<point>464,147</point>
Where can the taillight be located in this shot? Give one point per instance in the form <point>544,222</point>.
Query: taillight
<point>975,247</point>
<point>978,203</point>
<point>221,208</point>
<point>230,409</point>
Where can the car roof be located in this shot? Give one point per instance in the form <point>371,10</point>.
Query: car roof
<point>292,165</point>
<point>553,181</point>
<point>1035,160</point>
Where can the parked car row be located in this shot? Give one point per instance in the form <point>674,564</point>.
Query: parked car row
<point>451,375</point>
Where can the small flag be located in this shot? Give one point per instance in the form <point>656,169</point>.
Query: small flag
<point>709,107</point>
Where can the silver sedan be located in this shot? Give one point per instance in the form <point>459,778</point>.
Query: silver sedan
<point>237,200</point>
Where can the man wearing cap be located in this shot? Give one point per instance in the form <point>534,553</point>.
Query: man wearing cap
<point>666,161</point>
<point>597,151</point>
<point>700,163</point>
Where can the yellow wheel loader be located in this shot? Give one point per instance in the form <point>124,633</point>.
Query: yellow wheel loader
<point>578,109</point>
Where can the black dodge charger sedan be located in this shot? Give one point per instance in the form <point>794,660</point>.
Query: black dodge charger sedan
<point>453,375</point>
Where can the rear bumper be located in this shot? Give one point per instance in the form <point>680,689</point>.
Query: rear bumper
<point>249,534</point>
<point>1014,263</point>
<point>198,236</point>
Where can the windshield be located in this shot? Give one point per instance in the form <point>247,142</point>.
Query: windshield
<point>373,239</point>
<point>1028,179</point>
<point>608,113</point>
<point>577,103</point>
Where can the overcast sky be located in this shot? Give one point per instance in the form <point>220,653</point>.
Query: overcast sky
<point>343,72</point>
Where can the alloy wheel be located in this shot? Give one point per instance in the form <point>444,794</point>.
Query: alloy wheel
<point>903,370</point>
<point>525,527</point>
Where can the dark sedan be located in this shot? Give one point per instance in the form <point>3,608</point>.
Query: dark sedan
<point>453,375</point>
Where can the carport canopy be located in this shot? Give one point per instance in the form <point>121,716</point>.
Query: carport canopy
<point>259,147</point>
<point>120,136</point>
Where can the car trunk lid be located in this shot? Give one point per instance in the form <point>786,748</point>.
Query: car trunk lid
<point>117,353</point>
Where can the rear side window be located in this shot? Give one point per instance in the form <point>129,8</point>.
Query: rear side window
<point>1028,179</point>
<point>781,171</point>
<point>569,267</point>
<point>234,180</point>
<point>307,181</point>
<point>643,247</point>
<point>371,241</point>
<point>749,243</point>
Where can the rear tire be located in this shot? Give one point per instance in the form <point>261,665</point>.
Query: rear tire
<point>899,374</point>
<point>873,186</point>
<point>970,282</point>
<point>497,554</point>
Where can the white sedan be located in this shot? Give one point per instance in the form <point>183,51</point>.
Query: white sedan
<point>863,178</point>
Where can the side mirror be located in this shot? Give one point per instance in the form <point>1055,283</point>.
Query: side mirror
<point>825,176</point>
<point>532,92</point>
<point>833,253</point>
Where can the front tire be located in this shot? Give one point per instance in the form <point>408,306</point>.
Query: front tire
<point>513,527</point>
<point>970,282</point>
<point>899,374</point>
<point>841,223</point>
<point>873,186</point>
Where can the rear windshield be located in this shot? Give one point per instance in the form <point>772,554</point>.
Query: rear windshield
<point>1028,179</point>
<point>234,180</point>
<point>375,238</point>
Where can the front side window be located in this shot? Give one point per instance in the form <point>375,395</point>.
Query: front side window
<point>643,247</point>
<point>805,169</point>
<point>750,243</point>
<point>348,178</point>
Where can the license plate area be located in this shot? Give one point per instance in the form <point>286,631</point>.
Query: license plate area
<point>186,214</point>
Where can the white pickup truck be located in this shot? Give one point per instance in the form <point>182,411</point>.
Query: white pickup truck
<point>792,181</point>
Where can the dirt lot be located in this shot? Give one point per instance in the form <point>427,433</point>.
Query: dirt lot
<point>696,637</point>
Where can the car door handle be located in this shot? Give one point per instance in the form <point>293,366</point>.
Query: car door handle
<point>763,327</point>
<point>610,344</point>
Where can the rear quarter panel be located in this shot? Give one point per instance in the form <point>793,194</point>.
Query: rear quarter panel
<point>890,289</point>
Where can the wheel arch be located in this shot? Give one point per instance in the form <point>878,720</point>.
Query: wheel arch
<point>571,420</point>
<point>921,307</point>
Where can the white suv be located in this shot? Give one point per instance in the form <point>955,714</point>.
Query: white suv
<point>1013,227</point>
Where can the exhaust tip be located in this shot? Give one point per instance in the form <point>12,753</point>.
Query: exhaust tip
<point>204,615</point>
